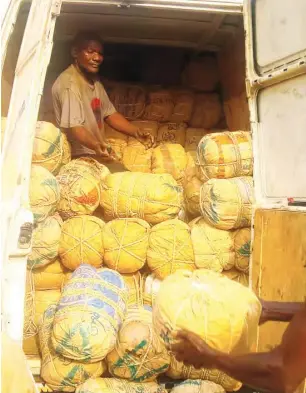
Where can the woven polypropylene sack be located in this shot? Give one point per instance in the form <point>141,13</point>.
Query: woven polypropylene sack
<point>139,355</point>
<point>45,242</point>
<point>170,158</point>
<point>47,147</point>
<point>227,203</point>
<point>150,289</point>
<point>125,242</point>
<point>160,107</point>
<point>231,313</point>
<point>201,74</point>
<point>52,276</point>
<point>242,246</point>
<point>66,158</point>
<point>192,190</point>
<point>172,133</point>
<point>183,106</point>
<point>59,373</point>
<point>91,310</point>
<point>81,242</point>
<point>80,187</point>
<point>154,198</point>
<point>136,158</point>
<point>197,386</point>
<point>129,100</point>
<point>147,126</point>
<point>114,385</point>
<point>116,139</point>
<point>170,248</point>
<point>224,155</point>
<point>193,138</point>
<point>134,284</point>
<point>44,193</point>
<point>238,276</point>
<point>207,111</point>
<point>213,248</point>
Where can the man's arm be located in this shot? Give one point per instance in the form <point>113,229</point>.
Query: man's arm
<point>86,138</point>
<point>279,311</point>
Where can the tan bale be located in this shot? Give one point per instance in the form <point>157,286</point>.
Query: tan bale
<point>114,385</point>
<point>52,276</point>
<point>213,248</point>
<point>172,133</point>
<point>207,111</point>
<point>129,100</point>
<point>125,243</point>
<point>170,158</point>
<point>183,106</point>
<point>160,107</point>
<point>227,203</point>
<point>242,246</point>
<point>193,137</point>
<point>148,126</point>
<point>139,354</point>
<point>170,248</point>
<point>201,73</point>
<point>81,242</point>
<point>154,198</point>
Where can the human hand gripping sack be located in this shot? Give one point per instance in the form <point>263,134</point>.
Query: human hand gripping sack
<point>145,138</point>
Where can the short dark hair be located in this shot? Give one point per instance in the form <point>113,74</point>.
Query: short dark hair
<point>85,36</point>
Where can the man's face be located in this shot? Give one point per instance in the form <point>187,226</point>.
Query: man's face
<point>89,56</point>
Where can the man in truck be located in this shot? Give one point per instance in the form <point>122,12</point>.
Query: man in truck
<point>281,370</point>
<point>81,104</point>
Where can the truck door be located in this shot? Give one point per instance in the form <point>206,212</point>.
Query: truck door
<point>16,155</point>
<point>276,87</point>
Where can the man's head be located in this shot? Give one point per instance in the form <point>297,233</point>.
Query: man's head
<point>87,51</point>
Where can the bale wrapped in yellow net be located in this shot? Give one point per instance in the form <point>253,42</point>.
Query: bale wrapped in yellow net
<point>80,187</point>
<point>45,242</point>
<point>139,354</point>
<point>114,385</point>
<point>225,155</point>
<point>47,147</point>
<point>227,203</point>
<point>136,158</point>
<point>160,107</point>
<point>191,159</point>
<point>150,289</point>
<point>172,133</point>
<point>197,386</point>
<point>90,312</point>
<point>81,242</point>
<point>116,139</point>
<point>44,193</point>
<point>183,106</point>
<point>52,276</point>
<point>170,248</point>
<point>231,313</point>
<point>213,248</point>
<point>125,243</point>
<point>59,373</point>
<point>192,190</point>
<point>238,276</point>
<point>66,158</point>
<point>134,284</point>
<point>154,198</point>
<point>207,111</point>
<point>242,246</point>
<point>170,158</point>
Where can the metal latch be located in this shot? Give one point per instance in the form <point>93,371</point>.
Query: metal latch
<point>25,235</point>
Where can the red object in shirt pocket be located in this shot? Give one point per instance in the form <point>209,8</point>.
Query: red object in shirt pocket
<point>95,103</point>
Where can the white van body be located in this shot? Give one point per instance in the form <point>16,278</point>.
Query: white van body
<point>275,81</point>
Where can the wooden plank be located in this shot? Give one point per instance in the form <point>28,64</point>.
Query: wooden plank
<point>278,264</point>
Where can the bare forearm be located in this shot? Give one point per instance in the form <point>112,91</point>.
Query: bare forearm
<point>119,123</point>
<point>85,137</point>
<point>279,311</point>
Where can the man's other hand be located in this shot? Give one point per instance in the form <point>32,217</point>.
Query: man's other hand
<point>145,138</point>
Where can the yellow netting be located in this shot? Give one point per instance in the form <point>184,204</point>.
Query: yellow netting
<point>150,289</point>
<point>183,105</point>
<point>192,189</point>
<point>172,133</point>
<point>81,242</point>
<point>201,74</point>
<point>170,248</point>
<point>227,203</point>
<point>113,385</point>
<point>45,242</point>
<point>242,246</point>
<point>170,158</point>
<point>136,158</point>
<point>129,100</point>
<point>125,242</point>
<point>222,312</point>
<point>44,193</point>
<point>134,283</point>
<point>52,276</point>
<point>139,354</point>
<point>198,386</point>
<point>58,372</point>
<point>91,309</point>
<point>225,154</point>
<point>213,248</point>
<point>47,147</point>
<point>154,198</point>
<point>160,107</point>
<point>207,111</point>
<point>80,187</point>
<point>238,276</point>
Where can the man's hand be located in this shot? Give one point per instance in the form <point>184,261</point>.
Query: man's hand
<point>192,350</point>
<point>145,138</point>
<point>105,151</point>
